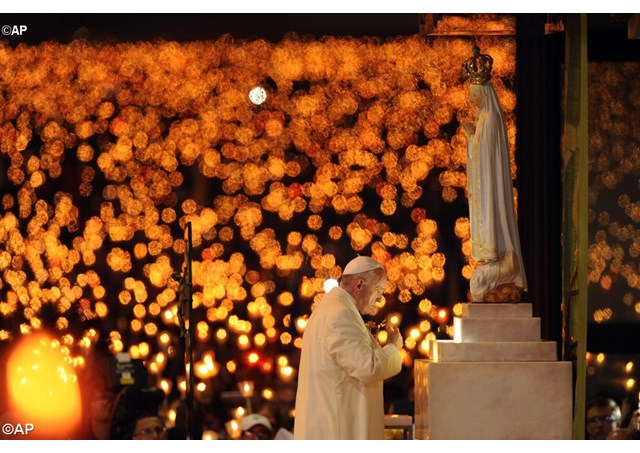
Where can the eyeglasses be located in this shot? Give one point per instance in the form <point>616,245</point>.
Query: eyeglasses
<point>601,418</point>
<point>150,431</point>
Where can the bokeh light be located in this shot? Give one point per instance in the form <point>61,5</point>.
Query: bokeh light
<point>43,388</point>
<point>109,157</point>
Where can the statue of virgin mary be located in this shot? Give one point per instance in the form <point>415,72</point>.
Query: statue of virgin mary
<point>495,243</point>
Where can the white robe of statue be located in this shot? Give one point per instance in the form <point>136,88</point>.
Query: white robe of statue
<point>495,241</point>
<point>342,368</point>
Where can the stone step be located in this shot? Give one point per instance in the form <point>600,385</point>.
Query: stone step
<point>493,351</point>
<point>493,400</point>
<point>498,329</point>
<point>483,310</point>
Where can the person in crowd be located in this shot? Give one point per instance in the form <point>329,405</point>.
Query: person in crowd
<point>279,422</point>
<point>99,418</point>
<point>256,427</point>
<point>342,366</point>
<point>630,412</point>
<point>149,427</point>
<point>634,421</point>
<point>602,417</point>
<point>136,416</point>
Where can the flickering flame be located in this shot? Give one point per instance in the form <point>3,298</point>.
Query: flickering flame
<point>165,385</point>
<point>246,388</point>
<point>239,412</point>
<point>286,373</point>
<point>630,384</point>
<point>208,434</point>
<point>301,323</point>
<point>182,384</point>
<point>253,358</point>
<point>442,315</point>
<point>171,415</point>
<point>268,394</point>
<point>233,429</point>
<point>394,319</point>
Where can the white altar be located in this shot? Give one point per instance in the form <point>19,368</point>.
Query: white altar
<point>495,380</point>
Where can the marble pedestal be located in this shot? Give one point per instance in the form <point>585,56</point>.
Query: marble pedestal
<point>495,380</point>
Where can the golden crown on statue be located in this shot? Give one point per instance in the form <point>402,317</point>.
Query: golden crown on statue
<point>478,67</point>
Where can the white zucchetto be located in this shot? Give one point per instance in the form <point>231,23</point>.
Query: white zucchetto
<point>251,420</point>
<point>361,264</point>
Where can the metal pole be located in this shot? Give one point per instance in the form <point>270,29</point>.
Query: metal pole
<point>189,338</point>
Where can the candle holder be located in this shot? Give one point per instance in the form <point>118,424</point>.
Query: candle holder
<point>246,390</point>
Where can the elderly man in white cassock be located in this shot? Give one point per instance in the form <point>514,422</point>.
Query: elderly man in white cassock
<point>342,367</point>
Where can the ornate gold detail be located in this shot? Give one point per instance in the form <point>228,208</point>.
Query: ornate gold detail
<point>507,292</point>
<point>374,327</point>
<point>478,67</point>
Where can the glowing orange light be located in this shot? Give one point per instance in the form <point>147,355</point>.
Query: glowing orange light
<point>253,358</point>
<point>301,323</point>
<point>209,435</point>
<point>246,388</point>
<point>268,394</point>
<point>182,384</point>
<point>143,173</point>
<point>630,384</point>
<point>42,388</point>
<point>239,412</point>
<point>165,385</point>
<point>394,319</point>
<point>286,373</point>
<point>442,315</point>
<point>171,415</point>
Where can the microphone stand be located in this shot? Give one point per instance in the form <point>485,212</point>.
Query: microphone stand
<point>185,318</point>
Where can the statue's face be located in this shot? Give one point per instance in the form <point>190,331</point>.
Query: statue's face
<point>475,95</point>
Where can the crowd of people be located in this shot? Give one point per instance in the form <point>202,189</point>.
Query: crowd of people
<point>141,413</point>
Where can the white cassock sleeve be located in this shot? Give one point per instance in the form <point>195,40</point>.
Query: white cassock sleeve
<point>354,349</point>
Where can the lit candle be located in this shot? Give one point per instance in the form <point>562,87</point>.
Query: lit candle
<point>233,429</point>
<point>246,390</point>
